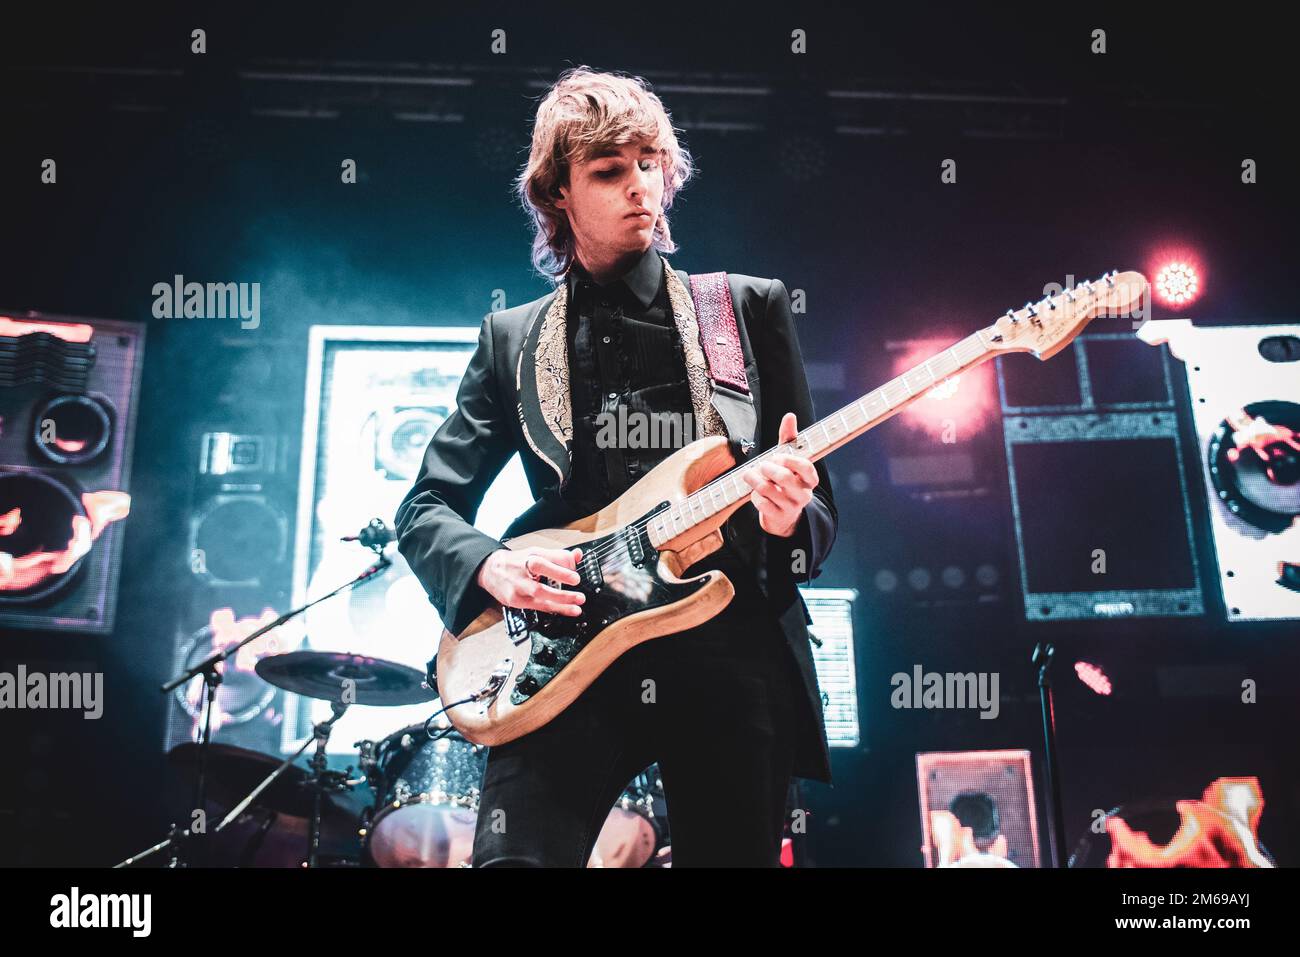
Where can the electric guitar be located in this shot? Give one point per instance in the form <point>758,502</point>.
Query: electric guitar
<point>511,671</point>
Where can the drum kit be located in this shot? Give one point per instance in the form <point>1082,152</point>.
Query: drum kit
<point>423,782</point>
<point>424,779</point>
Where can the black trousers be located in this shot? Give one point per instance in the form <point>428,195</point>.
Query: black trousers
<point>713,705</point>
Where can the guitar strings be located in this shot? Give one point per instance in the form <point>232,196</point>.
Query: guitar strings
<point>615,547</point>
<point>971,344</point>
<point>606,549</point>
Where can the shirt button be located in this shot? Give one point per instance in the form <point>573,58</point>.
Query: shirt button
<point>613,395</point>
<point>605,339</point>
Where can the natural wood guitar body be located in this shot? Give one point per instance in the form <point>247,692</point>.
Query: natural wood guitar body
<point>466,662</point>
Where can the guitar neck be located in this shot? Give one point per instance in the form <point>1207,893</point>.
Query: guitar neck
<point>824,436</point>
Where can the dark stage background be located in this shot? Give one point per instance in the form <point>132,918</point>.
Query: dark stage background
<point>223,167</point>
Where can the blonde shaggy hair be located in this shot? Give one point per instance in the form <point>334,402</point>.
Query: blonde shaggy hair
<point>582,114</point>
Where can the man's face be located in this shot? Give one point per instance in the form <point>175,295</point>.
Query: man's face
<point>613,201</point>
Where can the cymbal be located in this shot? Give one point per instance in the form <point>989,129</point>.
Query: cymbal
<point>233,772</point>
<point>356,679</point>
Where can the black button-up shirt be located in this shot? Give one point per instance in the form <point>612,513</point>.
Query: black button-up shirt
<point>628,379</point>
<point>626,360</point>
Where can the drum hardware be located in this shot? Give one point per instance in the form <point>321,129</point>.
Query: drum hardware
<point>1041,658</point>
<point>253,846</point>
<point>177,837</point>
<point>426,790</point>
<point>342,680</point>
<point>234,771</point>
<point>322,780</point>
<point>345,678</point>
<point>426,783</point>
<point>425,777</point>
<point>634,834</point>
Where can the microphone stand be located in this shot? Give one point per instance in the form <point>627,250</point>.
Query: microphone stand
<point>1042,657</point>
<point>177,837</point>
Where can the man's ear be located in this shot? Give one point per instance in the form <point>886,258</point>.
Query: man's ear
<point>558,194</point>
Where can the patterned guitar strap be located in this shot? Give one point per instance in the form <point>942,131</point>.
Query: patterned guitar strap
<point>720,340</point>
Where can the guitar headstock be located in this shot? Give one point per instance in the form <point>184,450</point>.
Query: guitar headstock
<point>1049,325</point>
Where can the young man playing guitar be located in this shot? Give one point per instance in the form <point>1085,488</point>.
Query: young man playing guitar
<point>729,709</point>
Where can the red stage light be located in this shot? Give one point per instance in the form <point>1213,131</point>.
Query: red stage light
<point>955,408</point>
<point>1177,283</point>
<point>1093,677</point>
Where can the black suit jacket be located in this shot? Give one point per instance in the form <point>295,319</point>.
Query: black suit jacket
<point>495,418</point>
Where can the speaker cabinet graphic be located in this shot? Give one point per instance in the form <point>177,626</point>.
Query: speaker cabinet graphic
<point>1244,384</point>
<point>977,809</point>
<point>67,427</point>
<point>1098,490</point>
<point>239,578</point>
<point>375,397</point>
<point>933,481</point>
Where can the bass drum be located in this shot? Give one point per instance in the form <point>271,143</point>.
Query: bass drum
<point>635,833</point>
<point>426,799</point>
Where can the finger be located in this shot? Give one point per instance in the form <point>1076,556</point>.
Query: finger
<point>774,512</point>
<point>561,602</point>
<point>771,505</point>
<point>776,473</point>
<point>543,568</point>
<point>789,428</point>
<point>773,490</point>
<point>568,609</point>
<point>551,607</point>
<point>568,557</point>
<point>800,466</point>
<point>545,598</point>
<point>786,498</point>
<point>763,472</point>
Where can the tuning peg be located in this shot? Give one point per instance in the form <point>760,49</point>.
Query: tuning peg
<point>1012,316</point>
<point>1110,277</point>
<point>1033,311</point>
<point>1069,295</point>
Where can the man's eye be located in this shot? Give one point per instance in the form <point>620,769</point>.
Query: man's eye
<point>652,165</point>
<point>606,173</point>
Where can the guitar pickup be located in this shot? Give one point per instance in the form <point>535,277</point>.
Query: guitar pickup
<point>634,548</point>
<point>590,571</point>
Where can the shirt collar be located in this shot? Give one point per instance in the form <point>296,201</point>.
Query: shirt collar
<point>642,280</point>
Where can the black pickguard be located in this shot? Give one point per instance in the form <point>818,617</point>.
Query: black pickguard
<point>620,577</point>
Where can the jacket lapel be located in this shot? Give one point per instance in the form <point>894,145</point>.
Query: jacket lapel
<point>542,376</point>
<point>542,383</point>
